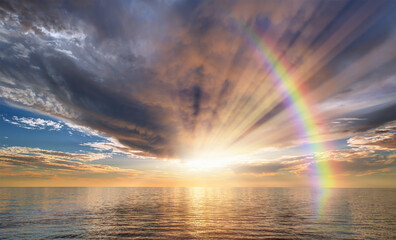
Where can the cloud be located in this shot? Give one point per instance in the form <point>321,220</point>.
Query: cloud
<point>372,118</point>
<point>5,173</point>
<point>34,123</point>
<point>275,167</point>
<point>34,159</point>
<point>52,154</point>
<point>172,79</point>
<point>112,145</point>
<point>360,162</point>
<point>382,138</point>
<point>41,124</point>
<point>370,153</point>
<point>82,129</point>
<point>28,98</point>
<point>107,146</point>
<point>353,162</point>
<point>350,119</point>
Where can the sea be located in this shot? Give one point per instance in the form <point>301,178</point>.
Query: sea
<point>197,213</point>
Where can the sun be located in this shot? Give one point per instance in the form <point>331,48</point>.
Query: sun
<point>210,163</point>
<point>200,165</point>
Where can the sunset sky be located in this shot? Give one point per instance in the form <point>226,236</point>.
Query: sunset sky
<point>198,93</point>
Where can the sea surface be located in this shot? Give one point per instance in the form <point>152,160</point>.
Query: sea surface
<point>197,213</point>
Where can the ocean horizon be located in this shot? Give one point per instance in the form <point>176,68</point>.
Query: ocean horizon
<point>196,213</point>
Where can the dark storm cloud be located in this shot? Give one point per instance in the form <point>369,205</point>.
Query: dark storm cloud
<point>73,84</point>
<point>32,15</point>
<point>163,76</point>
<point>134,123</point>
<point>379,31</point>
<point>369,118</point>
<point>377,118</point>
<point>107,20</point>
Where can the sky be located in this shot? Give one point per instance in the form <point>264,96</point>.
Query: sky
<point>198,93</point>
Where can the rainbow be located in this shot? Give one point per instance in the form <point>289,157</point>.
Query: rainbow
<point>296,97</point>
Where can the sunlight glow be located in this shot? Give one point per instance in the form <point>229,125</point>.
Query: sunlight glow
<point>206,163</point>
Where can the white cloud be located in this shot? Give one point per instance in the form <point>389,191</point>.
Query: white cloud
<point>82,129</point>
<point>351,119</point>
<point>6,80</point>
<point>34,123</point>
<point>113,145</point>
<point>63,34</point>
<point>28,98</point>
<point>67,52</point>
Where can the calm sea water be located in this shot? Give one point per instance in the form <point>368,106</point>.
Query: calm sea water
<point>196,213</point>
